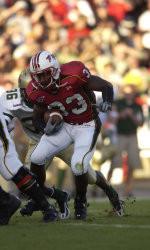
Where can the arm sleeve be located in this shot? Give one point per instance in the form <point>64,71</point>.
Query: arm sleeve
<point>82,74</point>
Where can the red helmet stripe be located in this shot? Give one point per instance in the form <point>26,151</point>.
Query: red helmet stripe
<point>35,60</point>
<point>32,59</point>
<point>38,59</point>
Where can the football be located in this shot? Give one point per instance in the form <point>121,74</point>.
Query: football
<point>55,115</point>
<point>54,122</point>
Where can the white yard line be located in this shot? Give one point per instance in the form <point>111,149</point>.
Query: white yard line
<point>99,199</point>
<point>109,226</point>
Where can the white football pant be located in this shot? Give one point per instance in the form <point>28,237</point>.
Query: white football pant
<point>79,135</point>
<point>9,161</point>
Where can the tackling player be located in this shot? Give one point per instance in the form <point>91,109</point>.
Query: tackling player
<point>11,168</point>
<point>69,89</point>
<point>14,105</point>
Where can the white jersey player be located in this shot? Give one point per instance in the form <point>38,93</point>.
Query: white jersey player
<point>11,168</point>
<point>14,105</point>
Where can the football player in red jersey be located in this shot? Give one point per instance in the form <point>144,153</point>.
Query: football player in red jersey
<point>69,88</point>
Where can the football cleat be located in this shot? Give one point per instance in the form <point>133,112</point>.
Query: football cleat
<point>61,198</point>
<point>8,207</point>
<point>29,208</point>
<point>50,214</point>
<point>63,205</point>
<point>116,203</point>
<point>80,209</point>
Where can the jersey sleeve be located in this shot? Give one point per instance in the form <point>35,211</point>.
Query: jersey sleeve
<point>83,73</point>
<point>8,117</point>
<point>77,72</point>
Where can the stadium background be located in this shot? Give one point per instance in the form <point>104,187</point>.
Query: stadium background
<point>112,37</point>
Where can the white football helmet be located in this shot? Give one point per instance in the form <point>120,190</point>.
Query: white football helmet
<point>44,69</point>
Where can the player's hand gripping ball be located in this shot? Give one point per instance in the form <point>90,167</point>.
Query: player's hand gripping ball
<point>55,115</point>
<point>54,121</point>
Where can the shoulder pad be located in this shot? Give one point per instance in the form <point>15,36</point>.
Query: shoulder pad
<point>72,68</point>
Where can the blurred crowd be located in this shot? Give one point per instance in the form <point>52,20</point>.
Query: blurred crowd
<point>112,38</point>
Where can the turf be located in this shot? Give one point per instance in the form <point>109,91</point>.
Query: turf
<point>102,230</point>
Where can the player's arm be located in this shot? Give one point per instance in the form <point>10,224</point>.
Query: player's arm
<point>96,83</point>
<point>38,117</point>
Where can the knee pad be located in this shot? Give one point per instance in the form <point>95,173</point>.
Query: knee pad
<point>24,179</point>
<point>80,163</point>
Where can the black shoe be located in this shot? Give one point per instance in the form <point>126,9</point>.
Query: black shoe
<point>115,202</point>
<point>29,208</point>
<point>80,209</point>
<point>62,201</point>
<point>61,198</point>
<point>8,207</point>
<point>50,214</point>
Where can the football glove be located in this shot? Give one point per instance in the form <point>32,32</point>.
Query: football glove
<point>105,106</point>
<point>52,127</point>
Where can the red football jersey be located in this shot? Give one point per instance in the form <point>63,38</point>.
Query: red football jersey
<point>73,98</point>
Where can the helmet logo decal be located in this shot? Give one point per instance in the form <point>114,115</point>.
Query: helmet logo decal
<point>48,58</point>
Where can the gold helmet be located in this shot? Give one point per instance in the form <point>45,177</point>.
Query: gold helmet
<point>24,78</point>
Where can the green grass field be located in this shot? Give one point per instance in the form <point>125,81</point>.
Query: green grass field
<point>102,230</point>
